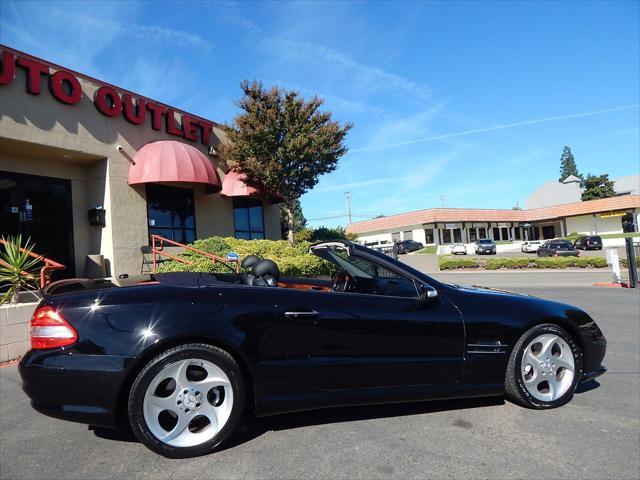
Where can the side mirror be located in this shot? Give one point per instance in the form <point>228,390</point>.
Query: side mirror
<point>427,293</point>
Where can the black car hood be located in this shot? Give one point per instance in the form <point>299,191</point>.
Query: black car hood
<point>486,290</point>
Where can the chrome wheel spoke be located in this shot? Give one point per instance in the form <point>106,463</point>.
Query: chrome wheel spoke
<point>209,411</point>
<point>162,403</point>
<point>553,387</point>
<point>560,363</point>
<point>530,359</point>
<point>547,347</point>
<point>211,382</point>
<point>178,371</point>
<point>180,427</point>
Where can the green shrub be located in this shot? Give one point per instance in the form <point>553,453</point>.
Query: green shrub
<point>321,234</point>
<point>449,263</point>
<point>293,261</point>
<point>428,250</point>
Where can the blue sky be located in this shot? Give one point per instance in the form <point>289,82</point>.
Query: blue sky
<point>471,100</point>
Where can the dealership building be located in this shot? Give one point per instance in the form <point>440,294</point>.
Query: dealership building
<point>88,168</point>
<point>442,226</point>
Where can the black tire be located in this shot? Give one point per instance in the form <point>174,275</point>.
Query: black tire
<point>515,390</point>
<point>188,351</point>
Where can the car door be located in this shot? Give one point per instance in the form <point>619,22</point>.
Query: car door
<point>346,340</point>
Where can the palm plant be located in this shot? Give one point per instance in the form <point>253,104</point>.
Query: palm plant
<point>18,269</point>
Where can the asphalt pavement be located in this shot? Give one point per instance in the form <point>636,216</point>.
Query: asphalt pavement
<point>596,436</point>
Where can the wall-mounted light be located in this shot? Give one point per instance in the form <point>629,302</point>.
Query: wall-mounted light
<point>97,216</point>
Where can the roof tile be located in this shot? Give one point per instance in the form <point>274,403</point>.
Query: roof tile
<point>432,215</point>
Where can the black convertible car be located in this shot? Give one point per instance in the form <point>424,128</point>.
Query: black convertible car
<point>180,357</point>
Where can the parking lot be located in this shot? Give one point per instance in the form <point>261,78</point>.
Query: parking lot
<point>596,436</point>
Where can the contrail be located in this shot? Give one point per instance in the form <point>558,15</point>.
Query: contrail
<point>497,127</point>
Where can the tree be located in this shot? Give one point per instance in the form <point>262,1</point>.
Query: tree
<point>568,165</point>
<point>299,222</point>
<point>283,142</point>
<point>597,186</point>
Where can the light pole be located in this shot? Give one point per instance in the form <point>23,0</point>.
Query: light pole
<point>347,196</point>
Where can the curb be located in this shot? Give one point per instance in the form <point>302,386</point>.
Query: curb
<point>612,285</point>
<point>9,363</point>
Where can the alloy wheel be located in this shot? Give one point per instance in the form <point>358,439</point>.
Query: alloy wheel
<point>188,402</point>
<point>547,367</point>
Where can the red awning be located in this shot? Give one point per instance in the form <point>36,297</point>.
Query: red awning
<point>170,161</point>
<point>235,185</point>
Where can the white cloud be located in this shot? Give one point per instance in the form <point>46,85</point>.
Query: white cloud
<point>367,76</point>
<point>494,128</point>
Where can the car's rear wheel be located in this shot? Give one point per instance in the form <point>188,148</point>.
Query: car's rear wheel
<point>187,400</point>
<point>544,368</point>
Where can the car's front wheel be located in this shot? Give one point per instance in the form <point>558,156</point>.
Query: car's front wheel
<point>544,368</point>
<point>187,400</point>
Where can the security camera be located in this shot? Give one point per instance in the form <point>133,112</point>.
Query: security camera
<point>120,148</point>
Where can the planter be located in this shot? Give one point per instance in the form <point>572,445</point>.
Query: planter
<point>14,330</point>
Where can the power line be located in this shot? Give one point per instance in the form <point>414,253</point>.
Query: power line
<point>343,215</point>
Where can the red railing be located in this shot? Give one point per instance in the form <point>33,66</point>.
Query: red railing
<point>45,271</point>
<point>157,248</point>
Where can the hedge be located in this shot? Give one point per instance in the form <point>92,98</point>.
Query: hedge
<point>293,261</point>
<point>450,263</point>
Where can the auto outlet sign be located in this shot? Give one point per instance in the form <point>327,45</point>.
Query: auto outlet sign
<point>65,87</point>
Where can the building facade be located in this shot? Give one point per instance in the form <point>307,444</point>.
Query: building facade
<point>442,226</point>
<point>87,168</point>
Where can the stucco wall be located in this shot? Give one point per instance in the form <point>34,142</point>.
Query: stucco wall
<point>98,170</point>
<point>594,224</point>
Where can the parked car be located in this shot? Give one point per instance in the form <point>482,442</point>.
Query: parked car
<point>182,357</point>
<point>457,248</point>
<point>407,246</point>
<point>485,245</point>
<point>557,248</point>
<point>530,246</point>
<point>588,242</point>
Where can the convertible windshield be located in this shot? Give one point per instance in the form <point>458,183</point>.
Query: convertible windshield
<point>352,265</point>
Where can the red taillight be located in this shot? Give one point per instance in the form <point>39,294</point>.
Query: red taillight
<point>49,329</point>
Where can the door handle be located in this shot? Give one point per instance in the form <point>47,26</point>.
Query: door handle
<point>302,314</point>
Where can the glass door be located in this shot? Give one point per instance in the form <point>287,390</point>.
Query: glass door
<point>39,208</point>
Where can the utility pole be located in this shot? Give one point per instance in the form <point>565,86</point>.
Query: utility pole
<point>443,197</point>
<point>347,196</point>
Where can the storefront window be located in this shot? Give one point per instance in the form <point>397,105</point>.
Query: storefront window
<point>428,235</point>
<point>496,233</point>
<point>482,233</point>
<point>505,233</point>
<point>248,218</point>
<point>171,213</point>
<point>452,235</point>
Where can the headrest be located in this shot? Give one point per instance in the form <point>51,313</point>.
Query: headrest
<point>267,267</point>
<point>250,261</point>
